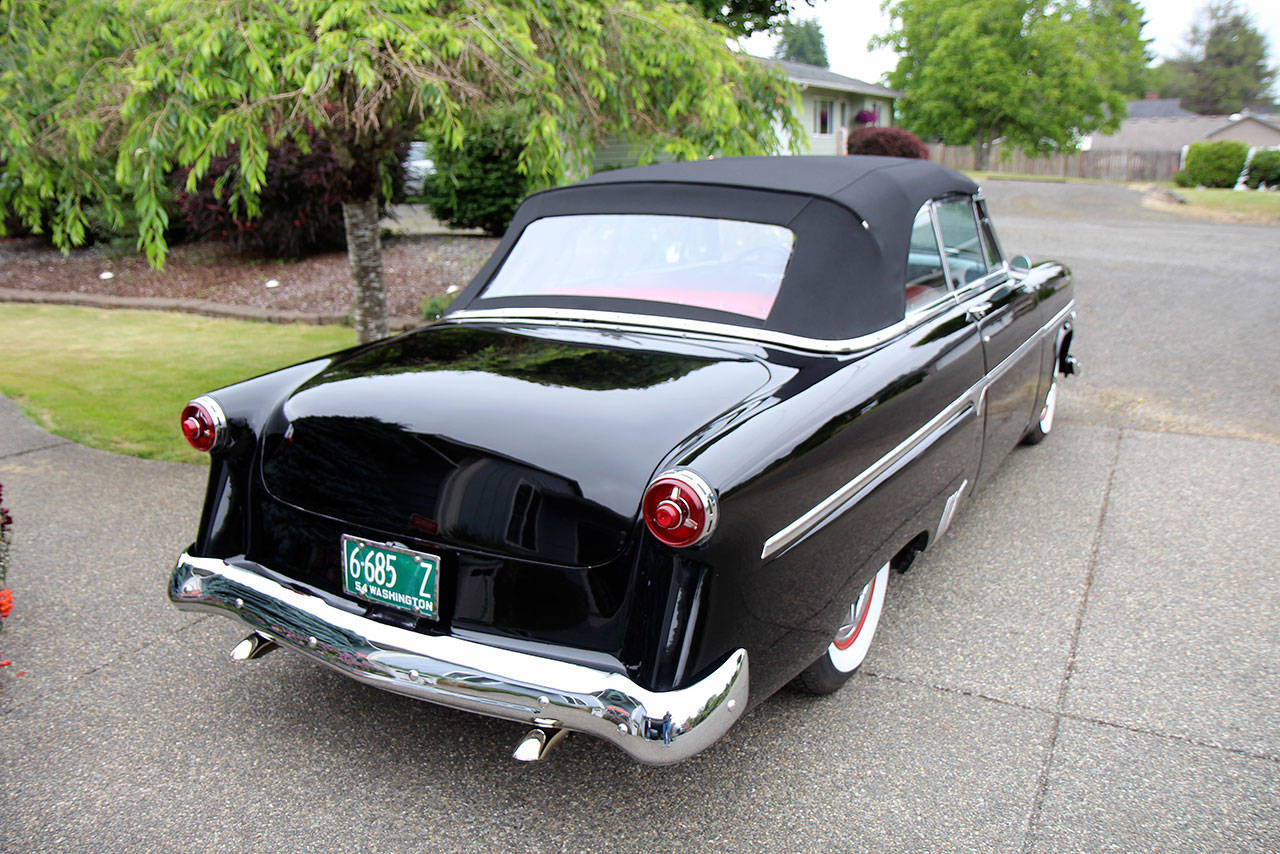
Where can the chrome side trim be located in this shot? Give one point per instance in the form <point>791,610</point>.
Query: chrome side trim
<point>625,321</point>
<point>472,676</point>
<point>949,511</point>
<point>1023,349</point>
<point>818,515</point>
<point>974,396</point>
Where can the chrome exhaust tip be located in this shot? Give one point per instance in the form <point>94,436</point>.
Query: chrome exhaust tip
<point>253,646</point>
<point>537,743</point>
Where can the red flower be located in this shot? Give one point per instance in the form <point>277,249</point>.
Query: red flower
<point>6,603</point>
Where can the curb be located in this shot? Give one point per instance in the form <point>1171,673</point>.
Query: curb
<point>191,306</point>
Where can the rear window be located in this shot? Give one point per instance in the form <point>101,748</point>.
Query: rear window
<point>721,264</point>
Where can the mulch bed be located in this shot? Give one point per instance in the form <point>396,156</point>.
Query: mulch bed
<point>415,267</point>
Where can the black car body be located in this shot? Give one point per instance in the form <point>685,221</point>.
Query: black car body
<point>681,420</point>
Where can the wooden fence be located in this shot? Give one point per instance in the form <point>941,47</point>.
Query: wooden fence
<point>1104,165</point>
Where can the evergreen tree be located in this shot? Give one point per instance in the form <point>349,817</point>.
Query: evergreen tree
<point>1224,67</point>
<point>802,41</point>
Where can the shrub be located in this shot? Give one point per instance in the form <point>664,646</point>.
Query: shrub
<point>436,305</point>
<point>478,185</point>
<point>300,204</point>
<point>1216,164</point>
<point>892,142</point>
<point>301,211</point>
<point>1182,178</point>
<point>1264,169</point>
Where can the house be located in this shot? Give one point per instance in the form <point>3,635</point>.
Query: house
<point>1162,125</point>
<point>828,108</point>
<point>830,104</point>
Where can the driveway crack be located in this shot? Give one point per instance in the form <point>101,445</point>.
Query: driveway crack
<point>24,452</point>
<point>18,703</point>
<point>1042,783</point>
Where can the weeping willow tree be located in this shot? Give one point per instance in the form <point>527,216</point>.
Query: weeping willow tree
<point>102,100</point>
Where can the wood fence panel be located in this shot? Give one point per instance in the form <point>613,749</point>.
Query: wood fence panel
<point>1099,165</point>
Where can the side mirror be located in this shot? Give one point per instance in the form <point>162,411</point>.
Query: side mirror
<point>1020,262</point>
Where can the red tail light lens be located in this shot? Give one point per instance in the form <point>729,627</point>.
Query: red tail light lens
<point>679,508</point>
<point>204,424</point>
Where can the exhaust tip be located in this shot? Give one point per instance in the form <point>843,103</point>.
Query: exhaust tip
<point>537,743</point>
<point>253,646</point>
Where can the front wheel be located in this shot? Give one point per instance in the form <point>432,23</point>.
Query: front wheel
<point>852,640</point>
<point>1044,423</point>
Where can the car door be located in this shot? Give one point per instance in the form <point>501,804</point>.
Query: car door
<point>1007,317</point>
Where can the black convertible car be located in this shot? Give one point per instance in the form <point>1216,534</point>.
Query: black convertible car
<point>657,461</point>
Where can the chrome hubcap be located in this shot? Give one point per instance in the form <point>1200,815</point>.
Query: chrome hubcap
<point>1050,404</point>
<point>846,634</point>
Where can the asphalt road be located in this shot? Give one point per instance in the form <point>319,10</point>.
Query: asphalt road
<point>1089,661</point>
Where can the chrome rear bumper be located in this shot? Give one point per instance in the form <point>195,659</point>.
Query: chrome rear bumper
<point>467,675</point>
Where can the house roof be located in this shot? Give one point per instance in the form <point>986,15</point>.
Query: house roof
<point>1170,134</point>
<point>1157,108</point>
<point>824,78</point>
<point>1267,122</point>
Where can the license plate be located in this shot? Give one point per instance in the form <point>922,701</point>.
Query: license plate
<point>390,575</point>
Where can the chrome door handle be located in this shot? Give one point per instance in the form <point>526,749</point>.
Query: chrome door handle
<point>977,311</point>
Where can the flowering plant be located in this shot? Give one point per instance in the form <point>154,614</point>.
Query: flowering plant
<point>867,117</point>
<point>6,595</point>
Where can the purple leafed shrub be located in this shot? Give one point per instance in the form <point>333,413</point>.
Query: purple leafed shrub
<point>301,211</point>
<point>890,142</point>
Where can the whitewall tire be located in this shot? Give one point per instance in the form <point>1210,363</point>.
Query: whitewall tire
<point>848,649</point>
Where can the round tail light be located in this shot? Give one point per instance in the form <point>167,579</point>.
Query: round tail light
<point>204,424</point>
<point>679,508</point>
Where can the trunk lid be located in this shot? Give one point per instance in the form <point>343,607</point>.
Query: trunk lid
<point>503,442</point>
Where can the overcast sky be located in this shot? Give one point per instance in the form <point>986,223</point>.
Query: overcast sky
<point>848,24</point>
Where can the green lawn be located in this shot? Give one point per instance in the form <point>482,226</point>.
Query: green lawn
<point>117,380</point>
<point>979,177</point>
<point>1251,205</point>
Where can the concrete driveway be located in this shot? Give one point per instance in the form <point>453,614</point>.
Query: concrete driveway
<point>1089,661</point>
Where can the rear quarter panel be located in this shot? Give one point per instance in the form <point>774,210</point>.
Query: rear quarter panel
<point>834,419</point>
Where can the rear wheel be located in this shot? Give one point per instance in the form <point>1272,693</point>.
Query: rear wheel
<point>1044,422</point>
<point>848,649</point>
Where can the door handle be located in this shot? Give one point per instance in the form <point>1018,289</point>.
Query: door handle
<point>977,311</point>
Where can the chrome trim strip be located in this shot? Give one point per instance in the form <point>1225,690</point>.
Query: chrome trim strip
<point>622,320</point>
<point>473,676</point>
<point>975,395</point>
<point>817,515</point>
<point>949,510</point>
<point>1023,349</point>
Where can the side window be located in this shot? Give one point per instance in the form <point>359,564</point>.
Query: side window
<point>990,246</point>
<point>961,241</point>
<point>926,279</point>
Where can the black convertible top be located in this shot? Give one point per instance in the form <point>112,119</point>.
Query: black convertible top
<point>851,216</point>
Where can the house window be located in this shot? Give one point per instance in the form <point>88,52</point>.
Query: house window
<point>822,111</point>
<point>844,114</point>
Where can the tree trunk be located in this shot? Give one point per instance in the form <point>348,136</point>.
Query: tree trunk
<point>981,151</point>
<point>364,252</point>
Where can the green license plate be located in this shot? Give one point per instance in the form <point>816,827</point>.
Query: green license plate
<point>390,575</point>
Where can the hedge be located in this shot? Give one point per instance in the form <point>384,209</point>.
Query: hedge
<point>1216,164</point>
